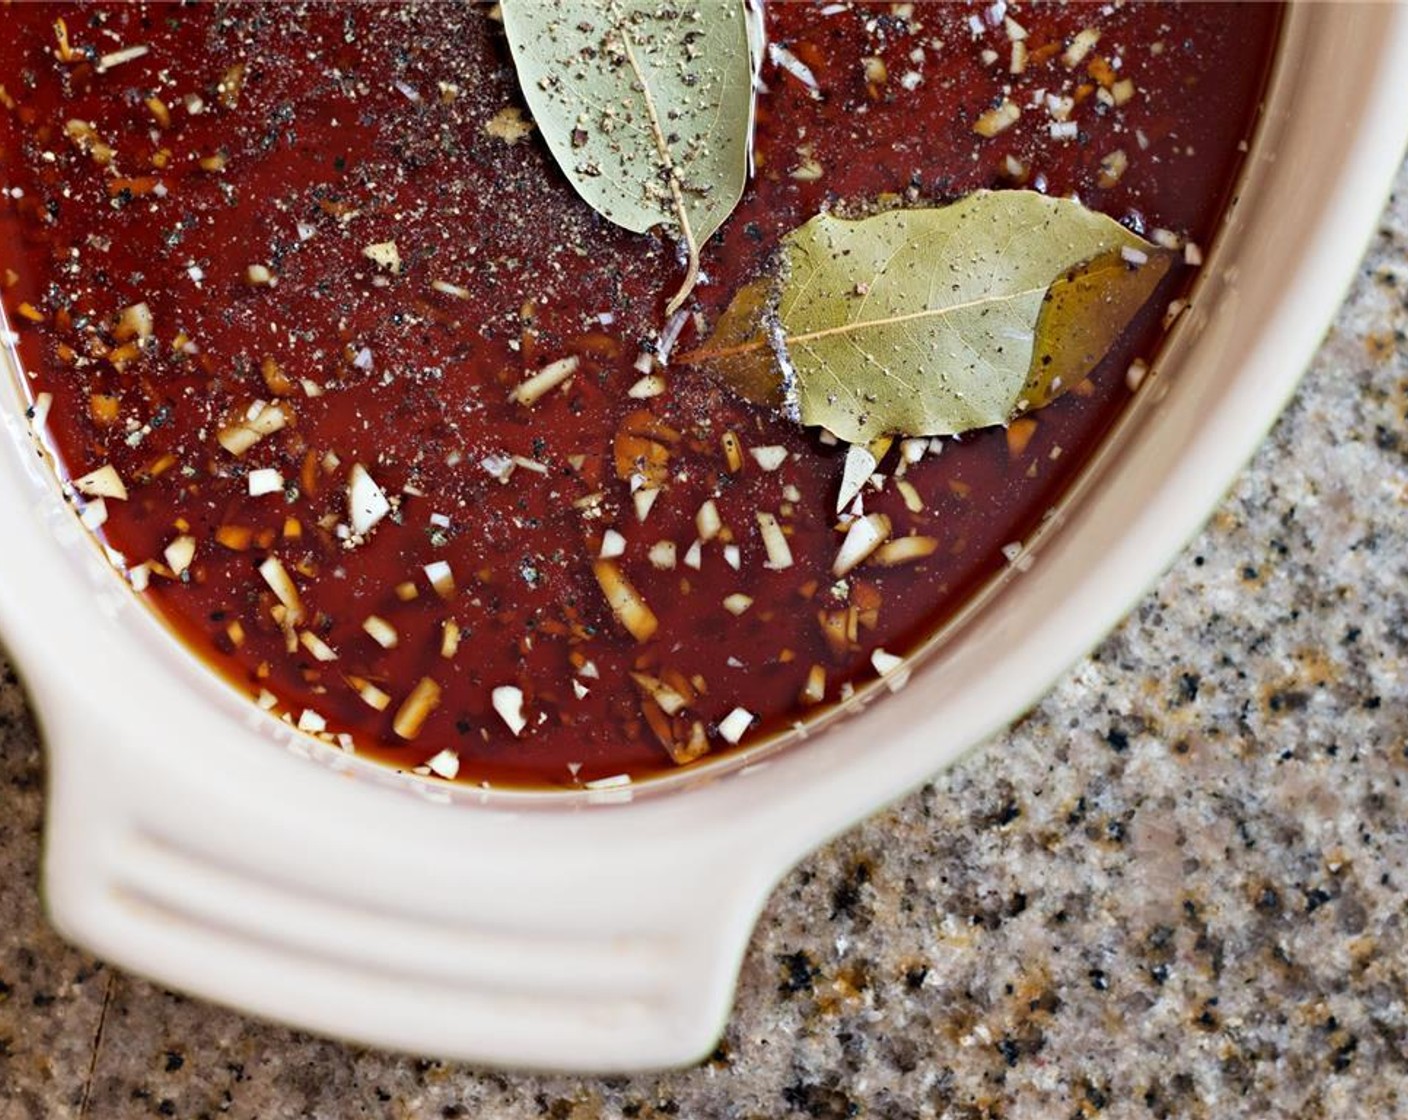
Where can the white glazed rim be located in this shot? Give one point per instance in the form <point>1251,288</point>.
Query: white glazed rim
<point>140,826</point>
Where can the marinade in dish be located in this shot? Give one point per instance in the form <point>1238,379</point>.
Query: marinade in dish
<point>277,274</point>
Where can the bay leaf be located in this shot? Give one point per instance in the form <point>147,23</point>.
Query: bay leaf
<point>934,321</point>
<point>646,106</point>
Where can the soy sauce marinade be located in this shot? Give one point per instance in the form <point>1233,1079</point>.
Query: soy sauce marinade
<point>205,231</point>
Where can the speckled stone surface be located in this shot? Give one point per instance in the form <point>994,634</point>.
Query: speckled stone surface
<point>1176,889</point>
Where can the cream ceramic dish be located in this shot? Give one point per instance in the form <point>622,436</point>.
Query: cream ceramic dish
<point>604,931</point>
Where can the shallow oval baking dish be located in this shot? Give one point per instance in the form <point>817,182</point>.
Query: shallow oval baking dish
<point>603,930</point>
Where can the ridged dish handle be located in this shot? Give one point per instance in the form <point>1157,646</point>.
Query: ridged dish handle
<point>439,930</point>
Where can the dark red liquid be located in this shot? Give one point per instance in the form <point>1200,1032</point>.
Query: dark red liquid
<point>354,125</point>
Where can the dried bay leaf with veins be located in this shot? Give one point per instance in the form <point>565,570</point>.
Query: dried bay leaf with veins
<point>934,321</point>
<point>646,106</point>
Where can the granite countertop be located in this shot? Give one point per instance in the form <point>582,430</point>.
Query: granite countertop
<point>1175,889</point>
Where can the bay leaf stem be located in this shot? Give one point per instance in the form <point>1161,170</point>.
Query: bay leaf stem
<point>691,276</point>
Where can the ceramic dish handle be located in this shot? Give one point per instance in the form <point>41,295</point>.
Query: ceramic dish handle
<point>593,959</point>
